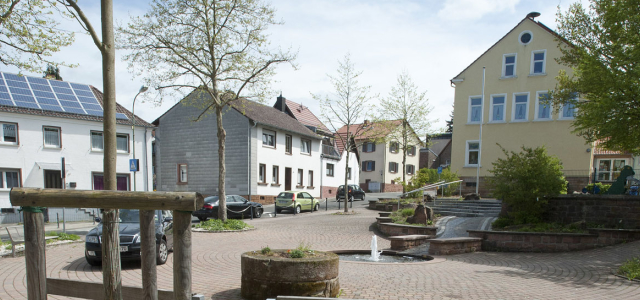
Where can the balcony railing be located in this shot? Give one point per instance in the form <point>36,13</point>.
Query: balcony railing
<point>330,151</point>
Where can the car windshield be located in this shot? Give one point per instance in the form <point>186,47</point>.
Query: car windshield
<point>286,195</point>
<point>129,216</point>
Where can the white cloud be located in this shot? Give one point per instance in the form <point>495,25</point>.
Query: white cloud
<point>475,9</point>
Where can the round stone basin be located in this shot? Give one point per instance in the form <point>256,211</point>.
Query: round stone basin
<point>385,257</point>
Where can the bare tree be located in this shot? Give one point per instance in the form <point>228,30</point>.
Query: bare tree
<point>344,109</point>
<point>110,236</point>
<point>411,107</point>
<point>29,36</point>
<point>217,48</point>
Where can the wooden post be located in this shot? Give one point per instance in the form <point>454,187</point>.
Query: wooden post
<point>111,276</point>
<point>182,255</point>
<point>34,254</point>
<point>148,254</point>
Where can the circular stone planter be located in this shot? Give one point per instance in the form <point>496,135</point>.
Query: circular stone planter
<point>266,276</point>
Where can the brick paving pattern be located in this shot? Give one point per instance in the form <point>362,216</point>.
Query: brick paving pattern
<point>480,275</point>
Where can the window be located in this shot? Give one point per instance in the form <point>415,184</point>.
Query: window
<point>568,109</point>
<point>97,142</point>
<point>275,177</point>
<point>310,178</point>
<point>330,170</point>
<point>509,65</point>
<point>9,133</point>
<point>300,177</point>
<point>472,153</point>
<point>305,146</point>
<point>411,169</point>
<point>368,147</point>
<point>262,173</point>
<point>538,62</point>
<point>368,165</point>
<point>182,173</point>
<point>543,107</point>
<point>393,167</point>
<point>268,138</point>
<point>520,110</point>
<point>393,147</point>
<point>497,107</point>
<point>525,37</point>
<point>9,178</point>
<point>411,150</point>
<point>51,137</point>
<point>349,173</point>
<point>288,144</point>
<point>475,107</point>
<point>609,169</point>
<point>122,182</point>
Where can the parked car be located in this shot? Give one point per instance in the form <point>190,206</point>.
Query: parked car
<point>292,200</point>
<point>355,192</point>
<point>237,206</point>
<point>129,229</point>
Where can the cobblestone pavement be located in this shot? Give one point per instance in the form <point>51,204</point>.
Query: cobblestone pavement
<point>490,275</point>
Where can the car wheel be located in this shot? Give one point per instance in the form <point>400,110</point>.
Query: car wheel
<point>278,210</point>
<point>317,207</point>
<point>298,209</point>
<point>162,253</point>
<point>93,262</point>
<point>363,195</point>
<point>202,219</point>
<point>257,213</point>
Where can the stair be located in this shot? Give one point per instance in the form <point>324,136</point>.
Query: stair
<point>90,211</point>
<point>467,208</point>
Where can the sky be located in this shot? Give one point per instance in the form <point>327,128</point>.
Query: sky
<point>432,40</point>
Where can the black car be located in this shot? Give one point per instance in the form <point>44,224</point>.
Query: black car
<point>355,192</point>
<point>129,229</point>
<point>237,206</point>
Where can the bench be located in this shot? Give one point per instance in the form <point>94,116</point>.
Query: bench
<point>404,242</point>
<point>454,245</point>
<point>17,239</point>
<point>384,214</point>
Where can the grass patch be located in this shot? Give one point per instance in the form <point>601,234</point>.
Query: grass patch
<point>403,201</point>
<point>218,225</point>
<point>400,217</point>
<point>630,269</point>
<point>63,236</point>
<point>505,225</point>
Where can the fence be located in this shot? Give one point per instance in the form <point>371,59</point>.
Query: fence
<point>53,214</point>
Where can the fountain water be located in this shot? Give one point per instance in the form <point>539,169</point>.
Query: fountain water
<point>375,255</point>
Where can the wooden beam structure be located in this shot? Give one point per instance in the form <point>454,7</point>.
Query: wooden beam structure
<point>93,290</point>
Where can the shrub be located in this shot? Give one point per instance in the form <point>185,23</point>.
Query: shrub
<point>63,236</point>
<point>305,247</point>
<point>501,223</point>
<point>524,179</point>
<point>218,225</point>
<point>603,187</point>
<point>266,250</point>
<point>425,176</point>
<point>407,212</point>
<point>297,253</point>
<point>630,269</point>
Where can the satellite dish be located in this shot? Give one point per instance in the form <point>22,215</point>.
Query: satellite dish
<point>532,15</point>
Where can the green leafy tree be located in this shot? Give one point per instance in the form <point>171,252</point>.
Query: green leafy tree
<point>604,55</point>
<point>426,176</point>
<point>29,35</point>
<point>411,107</point>
<point>524,179</point>
<point>450,123</point>
<point>218,49</point>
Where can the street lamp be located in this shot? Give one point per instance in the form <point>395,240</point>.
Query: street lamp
<point>133,128</point>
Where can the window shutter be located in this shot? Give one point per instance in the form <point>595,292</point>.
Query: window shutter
<point>364,166</point>
<point>373,164</point>
<point>364,147</point>
<point>373,148</point>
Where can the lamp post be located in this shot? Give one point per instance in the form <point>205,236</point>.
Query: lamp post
<point>133,128</point>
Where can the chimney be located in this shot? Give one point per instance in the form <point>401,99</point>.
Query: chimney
<point>282,101</point>
<point>366,122</point>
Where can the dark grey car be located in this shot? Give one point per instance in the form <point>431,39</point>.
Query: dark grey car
<point>355,192</point>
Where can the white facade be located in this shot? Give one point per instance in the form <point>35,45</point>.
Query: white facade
<point>30,157</point>
<point>270,156</point>
<point>332,180</point>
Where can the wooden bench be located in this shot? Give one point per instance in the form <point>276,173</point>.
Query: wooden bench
<point>384,214</point>
<point>454,245</point>
<point>17,239</point>
<point>404,242</point>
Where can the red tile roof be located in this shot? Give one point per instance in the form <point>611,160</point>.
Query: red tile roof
<point>304,115</point>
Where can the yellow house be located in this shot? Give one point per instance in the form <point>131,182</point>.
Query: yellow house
<point>520,70</point>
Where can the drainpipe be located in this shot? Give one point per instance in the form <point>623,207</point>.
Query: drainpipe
<point>321,176</point>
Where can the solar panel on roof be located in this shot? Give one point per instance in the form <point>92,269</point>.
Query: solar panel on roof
<point>47,101</point>
<point>14,77</point>
<point>5,96</point>
<point>6,102</point>
<point>26,104</point>
<point>121,116</point>
<point>95,112</point>
<point>51,107</point>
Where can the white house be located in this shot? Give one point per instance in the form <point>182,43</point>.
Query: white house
<point>45,121</point>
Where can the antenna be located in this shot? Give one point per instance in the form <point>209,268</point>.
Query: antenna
<point>532,15</point>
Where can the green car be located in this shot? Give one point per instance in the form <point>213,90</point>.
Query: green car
<point>290,200</point>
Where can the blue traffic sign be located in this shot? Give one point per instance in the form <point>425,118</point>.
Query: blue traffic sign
<point>134,165</point>
<point>439,170</point>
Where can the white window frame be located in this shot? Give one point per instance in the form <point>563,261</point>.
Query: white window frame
<point>300,177</point>
<point>3,178</point>
<point>561,111</point>
<point>302,143</point>
<point>513,107</point>
<point>611,168</point>
<point>504,65</point>
<point>330,170</point>
<point>504,109</point>
<point>466,153</point>
<point>310,179</point>
<point>2,141</point>
<point>183,174</point>
<point>269,133</point>
<point>544,62</point>
<point>275,175</point>
<point>120,135</point>
<point>536,117</point>
<point>44,137</point>
<point>262,173</point>
<point>471,110</point>
<point>92,132</point>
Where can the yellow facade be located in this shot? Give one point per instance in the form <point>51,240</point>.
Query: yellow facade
<point>554,132</point>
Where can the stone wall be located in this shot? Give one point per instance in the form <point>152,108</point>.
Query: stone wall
<point>552,242</point>
<point>262,199</point>
<point>390,187</point>
<point>329,192</point>
<point>617,211</point>
<point>391,229</point>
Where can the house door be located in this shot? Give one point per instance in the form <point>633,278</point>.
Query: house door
<point>287,179</point>
<point>52,179</point>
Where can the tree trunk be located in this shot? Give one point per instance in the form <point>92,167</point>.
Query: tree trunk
<point>346,170</point>
<point>222,135</point>
<point>110,236</point>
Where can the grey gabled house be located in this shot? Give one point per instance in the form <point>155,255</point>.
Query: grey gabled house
<point>267,151</point>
